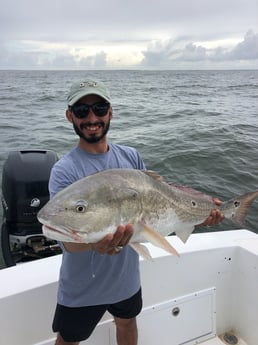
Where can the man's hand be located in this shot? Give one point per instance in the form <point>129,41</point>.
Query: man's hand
<point>113,243</point>
<point>215,216</point>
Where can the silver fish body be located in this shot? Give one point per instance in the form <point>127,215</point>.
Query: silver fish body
<point>94,206</point>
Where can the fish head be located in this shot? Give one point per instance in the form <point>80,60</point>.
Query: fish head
<point>87,210</point>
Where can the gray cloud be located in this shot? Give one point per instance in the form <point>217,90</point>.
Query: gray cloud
<point>192,52</point>
<point>164,54</point>
<point>114,19</point>
<point>247,49</point>
<point>97,61</point>
<point>168,30</point>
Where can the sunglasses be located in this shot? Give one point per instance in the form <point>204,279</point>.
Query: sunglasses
<point>81,110</point>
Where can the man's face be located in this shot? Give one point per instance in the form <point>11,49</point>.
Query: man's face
<point>92,128</point>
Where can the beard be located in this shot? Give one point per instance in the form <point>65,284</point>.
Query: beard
<point>92,138</point>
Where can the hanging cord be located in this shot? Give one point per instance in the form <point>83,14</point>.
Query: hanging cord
<point>92,264</point>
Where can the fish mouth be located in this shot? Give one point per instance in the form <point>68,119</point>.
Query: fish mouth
<point>70,233</point>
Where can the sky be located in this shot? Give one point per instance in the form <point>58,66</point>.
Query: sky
<point>129,34</point>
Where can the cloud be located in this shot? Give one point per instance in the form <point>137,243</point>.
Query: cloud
<point>97,61</point>
<point>77,20</point>
<point>192,52</point>
<point>170,52</point>
<point>127,34</point>
<point>247,49</point>
<point>68,55</point>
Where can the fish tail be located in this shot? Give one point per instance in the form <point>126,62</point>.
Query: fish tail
<point>236,209</point>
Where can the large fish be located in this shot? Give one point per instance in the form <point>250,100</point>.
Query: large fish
<point>94,206</point>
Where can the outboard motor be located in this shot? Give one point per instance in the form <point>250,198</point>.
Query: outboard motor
<point>24,191</point>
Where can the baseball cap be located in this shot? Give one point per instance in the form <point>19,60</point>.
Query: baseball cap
<point>87,87</point>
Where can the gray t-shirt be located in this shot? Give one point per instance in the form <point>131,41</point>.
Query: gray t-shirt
<point>88,278</point>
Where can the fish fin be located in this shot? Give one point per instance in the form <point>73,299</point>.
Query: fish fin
<point>237,208</point>
<point>184,235</point>
<point>156,239</point>
<point>142,250</point>
<point>191,191</point>
<point>153,174</point>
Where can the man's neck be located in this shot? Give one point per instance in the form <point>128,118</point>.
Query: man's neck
<point>94,148</point>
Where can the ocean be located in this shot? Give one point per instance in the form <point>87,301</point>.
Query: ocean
<point>197,128</point>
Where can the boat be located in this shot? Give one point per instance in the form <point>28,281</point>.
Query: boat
<point>206,296</point>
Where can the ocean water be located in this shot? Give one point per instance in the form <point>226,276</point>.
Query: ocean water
<point>198,128</point>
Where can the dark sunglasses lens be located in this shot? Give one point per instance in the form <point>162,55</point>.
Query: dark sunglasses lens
<point>100,109</point>
<point>80,110</point>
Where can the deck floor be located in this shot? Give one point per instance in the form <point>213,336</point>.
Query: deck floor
<point>218,341</point>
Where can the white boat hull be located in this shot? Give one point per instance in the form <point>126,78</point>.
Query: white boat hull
<point>209,290</point>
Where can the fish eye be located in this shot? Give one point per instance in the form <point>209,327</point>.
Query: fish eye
<point>194,204</point>
<point>236,203</point>
<point>80,206</point>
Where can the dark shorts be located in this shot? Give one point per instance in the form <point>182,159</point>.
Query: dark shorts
<point>77,324</point>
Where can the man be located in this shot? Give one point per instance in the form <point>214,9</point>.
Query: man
<point>102,276</point>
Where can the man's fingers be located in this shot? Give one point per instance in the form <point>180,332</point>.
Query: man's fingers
<point>118,236</point>
<point>113,243</point>
<point>217,201</point>
<point>123,235</point>
<point>128,233</point>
